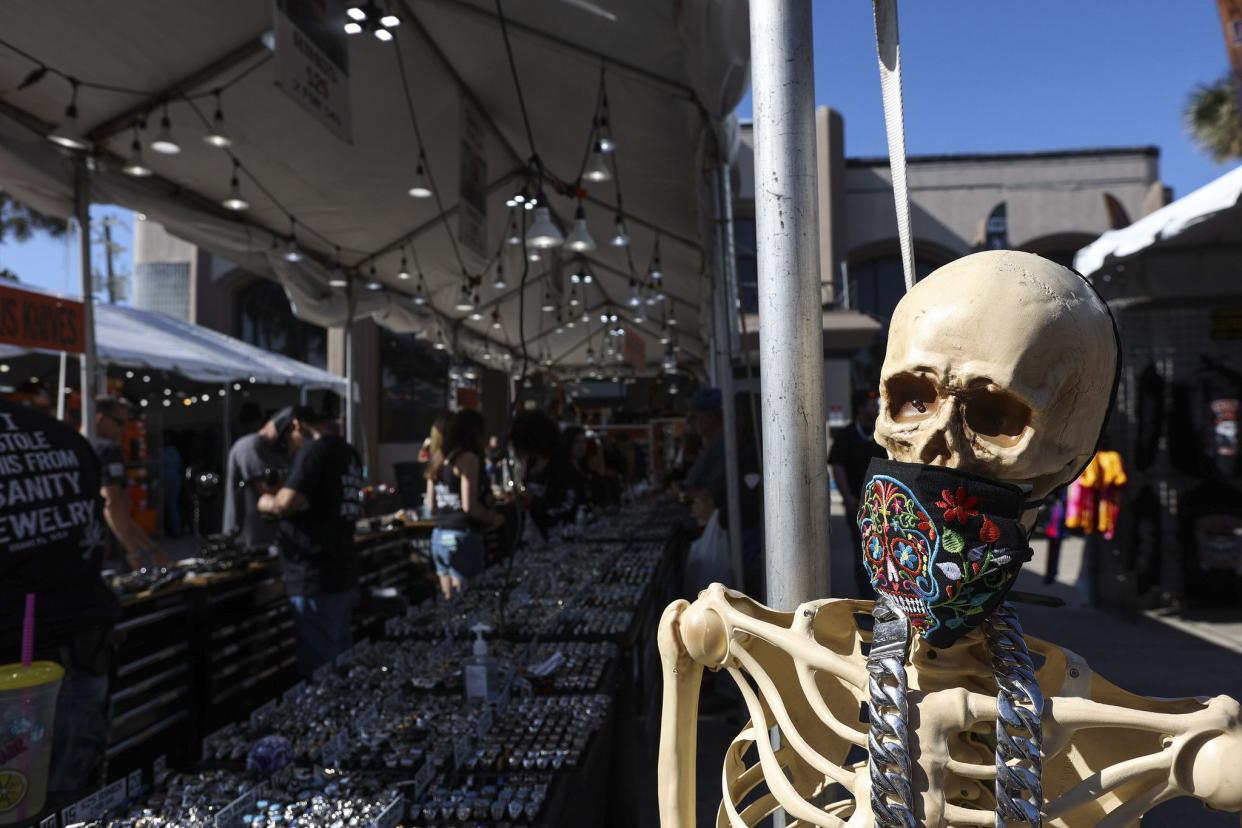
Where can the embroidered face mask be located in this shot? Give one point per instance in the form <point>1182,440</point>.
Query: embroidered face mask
<point>940,545</point>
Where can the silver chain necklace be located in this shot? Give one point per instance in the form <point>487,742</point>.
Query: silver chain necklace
<point>1019,735</point>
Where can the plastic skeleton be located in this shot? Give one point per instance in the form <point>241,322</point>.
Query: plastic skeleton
<point>1000,364</point>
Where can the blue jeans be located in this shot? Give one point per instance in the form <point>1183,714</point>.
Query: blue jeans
<point>457,553</point>
<point>324,627</point>
<point>80,734</point>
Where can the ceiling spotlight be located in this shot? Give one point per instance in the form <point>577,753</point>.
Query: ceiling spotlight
<point>69,133</point>
<point>356,13</point>
<point>234,200</point>
<point>579,239</point>
<point>353,28</point>
<point>542,233</point>
<point>620,238</point>
<point>216,136</point>
<point>164,143</point>
<point>390,21</point>
<point>422,185</point>
<point>383,34</point>
<point>597,166</point>
<point>136,165</point>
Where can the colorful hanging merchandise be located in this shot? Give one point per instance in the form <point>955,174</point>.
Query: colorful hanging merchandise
<point>1093,503</point>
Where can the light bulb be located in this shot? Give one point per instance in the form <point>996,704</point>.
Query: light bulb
<point>69,133</point>
<point>543,234</point>
<point>514,236</point>
<point>548,304</point>
<point>496,319</point>
<point>475,314</point>
<point>597,166</point>
<point>136,166</point>
<point>216,135</point>
<point>636,296</point>
<point>375,284</point>
<point>338,279</point>
<point>383,35</point>
<point>422,186</point>
<point>292,254</point>
<point>620,238</point>
<point>533,255</point>
<point>234,200</point>
<point>573,298</point>
<point>579,239</point>
<point>390,21</point>
<point>500,283</point>
<point>464,303</point>
<point>404,272</point>
<point>352,28</point>
<point>164,143</point>
<point>356,13</point>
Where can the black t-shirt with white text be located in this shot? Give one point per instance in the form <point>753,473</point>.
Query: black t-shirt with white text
<point>51,532</point>
<point>317,542</point>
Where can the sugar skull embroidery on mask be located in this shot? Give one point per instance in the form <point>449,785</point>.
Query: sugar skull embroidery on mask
<point>941,546</point>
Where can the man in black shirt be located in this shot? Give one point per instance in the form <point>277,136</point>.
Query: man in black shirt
<point>318,507</point>
<point>111,418</point>
<point>853,446</point>
<point>51,546</point>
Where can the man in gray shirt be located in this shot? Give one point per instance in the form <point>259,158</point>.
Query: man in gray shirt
<point>256,466</point>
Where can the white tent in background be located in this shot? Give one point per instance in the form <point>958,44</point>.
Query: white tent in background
<point>145,340</point>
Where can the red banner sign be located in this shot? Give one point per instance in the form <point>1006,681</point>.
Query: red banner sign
<point>33,320</point>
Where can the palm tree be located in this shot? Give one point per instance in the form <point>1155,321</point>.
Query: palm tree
<point>1213,120</point>
<point>19,222</point>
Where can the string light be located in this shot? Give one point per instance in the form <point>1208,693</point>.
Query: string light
<point>464,301</point>
<point>234,201</point>
<point>620,237</point>
<point>579,239</point>
<point>135,165</point>
<point>422,184</point>
<point>542,233</point>
<point>164,143</point>
<point>292,253</point>
<point>216,135</point>
<point>597,168</point>
<point>69,133</point>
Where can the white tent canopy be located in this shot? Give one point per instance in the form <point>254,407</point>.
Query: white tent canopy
<point>673,73</point>
<point>132,338</point>
<point>1168,225</point>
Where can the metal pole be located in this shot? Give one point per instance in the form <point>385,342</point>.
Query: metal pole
<point>791,361</point>
<point>721,339</point>
<point>349,365</point>
<point>60,386</point>
<point>82,208</point>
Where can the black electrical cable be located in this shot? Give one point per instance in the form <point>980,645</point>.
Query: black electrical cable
<point>504,32</point>
<point>422,148</point>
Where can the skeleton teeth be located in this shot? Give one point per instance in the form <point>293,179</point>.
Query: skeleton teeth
<point>908,605</point>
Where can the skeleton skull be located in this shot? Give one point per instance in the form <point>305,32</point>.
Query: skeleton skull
<point>1001,364</point>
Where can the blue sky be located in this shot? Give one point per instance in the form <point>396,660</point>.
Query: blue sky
<point>980,76</point>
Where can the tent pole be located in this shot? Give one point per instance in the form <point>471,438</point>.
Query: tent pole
<point>724,379</point>
<point>795,466</point>
<point>60,386</point>
<point>227,425</point>
<point>349,365</point>
<point>82,209</point>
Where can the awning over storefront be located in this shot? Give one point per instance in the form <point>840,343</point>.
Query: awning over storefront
<point>132,338</point>
<point>1190,248</point>
<point>673,74</point>
<point>844,330</point>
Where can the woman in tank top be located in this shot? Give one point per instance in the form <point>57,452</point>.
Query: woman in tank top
<point>455,484</point>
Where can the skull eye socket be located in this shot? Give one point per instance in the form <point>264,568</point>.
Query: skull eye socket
<point>911,398</point>
<point>996,416</point>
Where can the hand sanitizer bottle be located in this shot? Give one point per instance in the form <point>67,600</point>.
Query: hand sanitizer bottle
<point>481,679</point>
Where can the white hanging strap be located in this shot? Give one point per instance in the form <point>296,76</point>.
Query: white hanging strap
<point>888,49</point>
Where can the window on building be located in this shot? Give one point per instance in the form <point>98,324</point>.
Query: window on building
<point>744,249</point>
<point>414,387</point>
<point>877,285</point>
<point>266,320</point>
